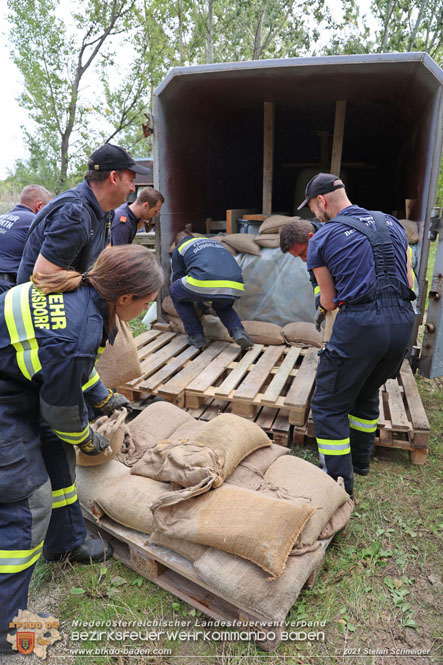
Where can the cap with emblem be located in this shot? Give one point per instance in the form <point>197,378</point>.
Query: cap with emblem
<point>322,183</point>
<point>114,158</point>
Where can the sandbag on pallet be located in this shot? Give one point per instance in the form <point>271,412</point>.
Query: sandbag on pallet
<point>205,461</point>
<point>191,551</point>
<point>237,520</point>
<point>250,472</point>
<point>128,501</point>
<point>301,483</point>
<point>90,479</point>
<point>119,362</point>
<point>263,332</point>
<point>244,584</point>
<point>302,332</point>
<point>113,428</point>
<point>157,421</point>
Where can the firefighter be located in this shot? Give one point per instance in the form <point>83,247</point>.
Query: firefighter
<point>203,270</point>
<point>361,262</point>
<point>130,217</point>
<point>50,332</point>
<point>14,226</point>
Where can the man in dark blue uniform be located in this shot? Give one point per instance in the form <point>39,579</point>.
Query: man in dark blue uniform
<point>203,270</point>
<point>130,217</point>
<point>73,230</point>
<point>14,226</point>
<point>361,262</point>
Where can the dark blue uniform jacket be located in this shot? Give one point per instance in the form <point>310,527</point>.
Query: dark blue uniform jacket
<point>124,226</point>
<point>14,226</point>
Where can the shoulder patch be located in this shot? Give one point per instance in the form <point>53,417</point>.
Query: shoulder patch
<point>123,218</point>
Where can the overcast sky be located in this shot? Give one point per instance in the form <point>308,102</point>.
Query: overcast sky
<point>12,117</point>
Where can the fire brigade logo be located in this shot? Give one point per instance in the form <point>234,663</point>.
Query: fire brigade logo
<point>32,633</point>
<point>25,642</point>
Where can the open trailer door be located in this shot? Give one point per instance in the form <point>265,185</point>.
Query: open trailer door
<point>431,360</point>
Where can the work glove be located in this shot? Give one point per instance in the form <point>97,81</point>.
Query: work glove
<point>112,402</point>
<point>96,444</point>
<point>319,317</point>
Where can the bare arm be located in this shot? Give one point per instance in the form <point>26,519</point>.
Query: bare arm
<point>44,266</point>
<point>327,287</point>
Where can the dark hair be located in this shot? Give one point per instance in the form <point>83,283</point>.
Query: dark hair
<point>295,232</point>
<point>151,196</point>
<point>119,270</point>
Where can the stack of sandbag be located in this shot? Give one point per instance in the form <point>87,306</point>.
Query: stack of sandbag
<point>119,361</point>
<point>239,243</point>
<point>302,333</point>
<point>269,232</point>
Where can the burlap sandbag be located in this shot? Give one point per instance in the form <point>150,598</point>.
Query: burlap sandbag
<point>274,223</point>
<point>119,362</point>
<point>176,324</point>
<point>264,333</point>
<point>191,551</point>
<point>168,306</point>
<point>242,583</point>
<point>338,520</point>
<point>89,480</point>
<point>412,230</point>
<point>230,249</point>
<point>157,421</point>
<point>205,461</point>
<point>213,328</point>
<point>128,500</point>
<point>236,520</point>
<point>242,242</point>
<point>268,240</point>
<point>299,482</point>
<point>250,472</point>
<point>113,428</point>
<point>302,332</point>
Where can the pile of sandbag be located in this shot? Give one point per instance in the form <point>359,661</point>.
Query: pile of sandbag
<point>251,518</point>
<point>261,332</point>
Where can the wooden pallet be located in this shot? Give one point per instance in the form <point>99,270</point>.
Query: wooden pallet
<point>402,423</point>
<point>177,575</point>
<point>280,377</point>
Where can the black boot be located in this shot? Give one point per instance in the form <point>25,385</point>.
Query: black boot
<point>241,337</point>
<point>199,341</point>
<point>361,471</point>
<point>92,549</point>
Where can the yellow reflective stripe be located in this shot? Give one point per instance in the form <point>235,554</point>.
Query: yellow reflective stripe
<point>73,437</point>
<point>334,446</point>
<point>14,561</point>
<point>21,331</point>
<point>64,496</point>
<point>413,273</point>
<point>316,290</point>
<point>361,424</point>
<point>214,283</point>
<point>99,352</point>
<point>93,378</point>
<point>184,244</point>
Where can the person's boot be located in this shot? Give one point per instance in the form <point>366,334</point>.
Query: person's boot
<point>241,337</point>
<point>92,549</point>
<point>361,471</point>
<point>199,341</point>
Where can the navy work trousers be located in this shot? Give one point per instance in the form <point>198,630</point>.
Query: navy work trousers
<point>184,300</point>
<point>367,347</point>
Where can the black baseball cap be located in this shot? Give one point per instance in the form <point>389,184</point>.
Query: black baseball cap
<point>114,158</point>
<point>322,183</point>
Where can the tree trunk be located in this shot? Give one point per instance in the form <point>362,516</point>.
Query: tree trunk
<point>417,24</point>
<point>209,47</point>
<point>386,25</point>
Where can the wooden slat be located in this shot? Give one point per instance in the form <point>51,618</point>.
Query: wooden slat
<point>145,337</point>
<point>179,382</point>
<point>399,419</point>
<point>381,417</point>
<point>214,370</point>
<point>265,417</point>
<point>281,423</point>
<point>234,378</point>
<point>169,369</point>
<point>299,393</point>
<point>274,389</point>
<point>252,383</point>
<point>413,399</point>
<point>156,344</point>
<point>337,141</point>
<point>233,215</point>
<point>153,363</point>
